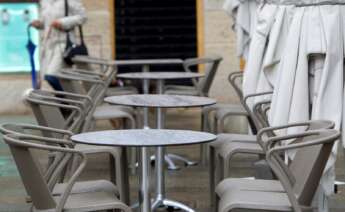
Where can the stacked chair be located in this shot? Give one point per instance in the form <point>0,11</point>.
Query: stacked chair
<point>95,88</point>
<point>50,111</point>
<point>74,111</point>
<point>41,183</point>
<point>291,187</point>
<point>104,65</point>
<point>297,182</point>
<point>200,87</point>
<point>217,114</point>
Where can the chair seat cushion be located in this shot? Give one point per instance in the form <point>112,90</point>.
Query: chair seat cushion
<point>248,184</point>
<point>225,138</point>
<point>93,201</point>
<point>87,186</point>
<point>91,149</point>
<point>181,90</point>
<point>231,110</point>
<point>228,149</point>
<point>254,200</point>
<point>105,112</point>
<point>126,90</point>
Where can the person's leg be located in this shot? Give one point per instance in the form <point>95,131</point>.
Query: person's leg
<point>53,82</point>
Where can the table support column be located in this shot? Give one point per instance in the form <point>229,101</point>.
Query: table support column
<point>160,150</point>
<point>146,90</point>
<point>144,193</point>
<point>146,87</point>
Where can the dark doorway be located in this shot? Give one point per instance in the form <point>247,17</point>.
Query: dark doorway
<point>148,29</point>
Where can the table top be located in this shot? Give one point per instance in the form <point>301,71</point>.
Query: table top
<point>143,138</point>
<point>160,101</point>
<point>160,75</point>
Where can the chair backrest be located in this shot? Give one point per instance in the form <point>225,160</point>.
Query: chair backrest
<point>49,113</point>
<point>104,65</point>
<point>94,88</point>
<point>212,64</point>
<point>256,120</point>
<point>302,176</point>
<point>38,186</point>
<point>235,79</point>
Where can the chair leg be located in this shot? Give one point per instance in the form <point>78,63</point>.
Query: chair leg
<point>220,125</point>
<point>215,125</point>
<point>226,168</point>
<point>130,123</point>
<point>216,207</point>
<point>119,175</point>
<point>219,170</point>
<point>203,147</point>
<point>112,169</point>
<point>212,177</point>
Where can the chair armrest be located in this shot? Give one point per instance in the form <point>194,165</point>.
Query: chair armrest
<point>334,135</point>
<point>64,93</point>
<point>81,71</point>
<point>5,129</point>
<point>256,95</point>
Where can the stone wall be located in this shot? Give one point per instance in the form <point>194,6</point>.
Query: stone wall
<point>219,39</point>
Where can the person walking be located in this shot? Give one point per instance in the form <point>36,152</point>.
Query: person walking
<point>55,25</point>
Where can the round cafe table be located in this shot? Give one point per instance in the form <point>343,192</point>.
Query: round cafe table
<point>160,78</point>
<point>145,138</point>
<point>159,102</point>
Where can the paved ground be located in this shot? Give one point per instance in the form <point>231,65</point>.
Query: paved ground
<point>189,185</point>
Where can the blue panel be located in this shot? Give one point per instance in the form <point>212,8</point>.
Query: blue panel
<point>14,56</point>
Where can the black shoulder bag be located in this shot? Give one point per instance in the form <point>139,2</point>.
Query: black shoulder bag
<point>73,49</point>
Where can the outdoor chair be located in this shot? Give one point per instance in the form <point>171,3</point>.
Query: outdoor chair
<point>47,110</point>
<point>105,65</point>
<point>227,146</point>
<point>48,133</point>
<point>219,112</point>
<point>202,86</point>
<point>40,186</point>
<point>299,180</point>
<point>95,88</point>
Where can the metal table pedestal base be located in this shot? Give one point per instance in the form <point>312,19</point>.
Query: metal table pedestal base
<point>171,165</point>
<point>166,203</point>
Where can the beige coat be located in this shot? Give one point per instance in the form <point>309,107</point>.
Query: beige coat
<point>54,41</point>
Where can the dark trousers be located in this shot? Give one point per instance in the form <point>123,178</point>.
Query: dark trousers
<point>54,82</point>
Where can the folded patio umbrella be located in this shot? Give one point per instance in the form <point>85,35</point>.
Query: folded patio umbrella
<point>266,48</point>
<point>310,82</point>
<point>243,13</point>
<point>31,47</point>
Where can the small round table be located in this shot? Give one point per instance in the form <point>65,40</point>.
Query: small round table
<point>159,102</point>
<point>144,139</point>
<point>160,78</point>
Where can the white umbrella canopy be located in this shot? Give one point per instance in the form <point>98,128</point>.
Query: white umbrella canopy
<point>244,15</point>
<point>266,49</point>
<point>310,82</point>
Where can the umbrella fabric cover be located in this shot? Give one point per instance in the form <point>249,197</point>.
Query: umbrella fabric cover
<point>310,82</point>
<point>266,48</point>
<point>31,47</point>
<point>244,15</point>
